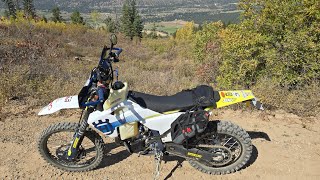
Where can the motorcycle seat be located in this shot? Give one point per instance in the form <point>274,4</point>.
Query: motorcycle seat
<point>181,101</point>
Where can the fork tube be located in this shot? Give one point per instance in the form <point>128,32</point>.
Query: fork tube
<point>84,121</point>
<point>78,137</point>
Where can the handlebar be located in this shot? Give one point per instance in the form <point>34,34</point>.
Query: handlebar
<point>111,54</point>
<point>104,62</point>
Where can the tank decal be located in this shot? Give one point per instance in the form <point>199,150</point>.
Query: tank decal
<point>171,112</point>
<point>149,117</point>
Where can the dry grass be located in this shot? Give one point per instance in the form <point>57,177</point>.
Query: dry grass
<point>304,101</point>
<point>37,66</point>
<point>37,62</point>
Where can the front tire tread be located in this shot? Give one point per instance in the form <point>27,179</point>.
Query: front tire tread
<point>93,136</point>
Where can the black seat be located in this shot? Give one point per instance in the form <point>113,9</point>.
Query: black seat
<point>181,101</point>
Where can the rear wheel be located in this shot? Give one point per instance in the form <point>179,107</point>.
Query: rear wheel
<point>230,144</point>
<point>55,141</point>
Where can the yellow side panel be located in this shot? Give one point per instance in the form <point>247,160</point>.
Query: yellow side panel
<point>232,97</point>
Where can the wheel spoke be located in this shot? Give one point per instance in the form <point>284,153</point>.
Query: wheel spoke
<point>233,144</point>
<point>226,148</point>
<point>229,145</point>
<point>58,144</point>
<point>227,141</point>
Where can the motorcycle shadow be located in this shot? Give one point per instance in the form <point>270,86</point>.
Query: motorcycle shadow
<point>253,158</point>
<point>259,135</point>
<point>255,153</point>
<point>179,160</point>
<point>114,157</point>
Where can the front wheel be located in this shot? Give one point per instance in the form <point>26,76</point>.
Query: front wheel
<point>55,141</point>
<point>230,145</point>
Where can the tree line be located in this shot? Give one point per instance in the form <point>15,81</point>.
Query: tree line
<point>130,23</point>
<point>275,42</point>
<point>14,6</point>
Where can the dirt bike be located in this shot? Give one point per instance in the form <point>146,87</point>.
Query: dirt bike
<point>146,124</point>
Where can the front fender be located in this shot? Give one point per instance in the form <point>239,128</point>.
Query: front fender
<point>67,102</point>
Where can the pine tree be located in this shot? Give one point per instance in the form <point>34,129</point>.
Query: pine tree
<point>154,31</point>
<point>11,8</point>
<point>56,15</point>
<point>76,18</point>
<point>117,25</point>
<point>29,10</point>
<point>95,17</point>
<point>44,19</point>
<point>131,23</point>
<point>126,20</point>
<point>17,4</point>
<point>111,24</point>
<point>6,14</point>
<point>138,26</point>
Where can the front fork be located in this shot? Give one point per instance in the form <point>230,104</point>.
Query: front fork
<point>73,150</point>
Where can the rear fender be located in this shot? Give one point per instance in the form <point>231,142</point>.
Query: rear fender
<point>232,97</point>
<point>68,102</point>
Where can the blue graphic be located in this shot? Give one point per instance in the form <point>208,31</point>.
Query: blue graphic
<point>108,128</point>
<point>104,127</point>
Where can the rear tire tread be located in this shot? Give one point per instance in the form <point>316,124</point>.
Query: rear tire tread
<point>236,131</point>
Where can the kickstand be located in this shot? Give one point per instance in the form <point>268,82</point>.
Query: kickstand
<point>158,158</point>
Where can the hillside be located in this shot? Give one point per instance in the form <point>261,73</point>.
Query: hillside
<point>88,5</point>
<point>42,57</point>
<point>274,52</point>
<point>154,10</point>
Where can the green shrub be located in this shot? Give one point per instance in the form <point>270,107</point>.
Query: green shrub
<point>206,41</point>
<point>242,57</point>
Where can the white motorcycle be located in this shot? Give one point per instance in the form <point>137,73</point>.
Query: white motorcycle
<point>175,125</point>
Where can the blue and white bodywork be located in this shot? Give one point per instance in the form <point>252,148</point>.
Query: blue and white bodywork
<point>118,111</point>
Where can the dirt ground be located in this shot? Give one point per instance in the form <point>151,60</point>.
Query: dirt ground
<point>285,147</point>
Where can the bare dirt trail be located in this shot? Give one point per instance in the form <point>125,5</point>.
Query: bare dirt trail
<point>285,147</point>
